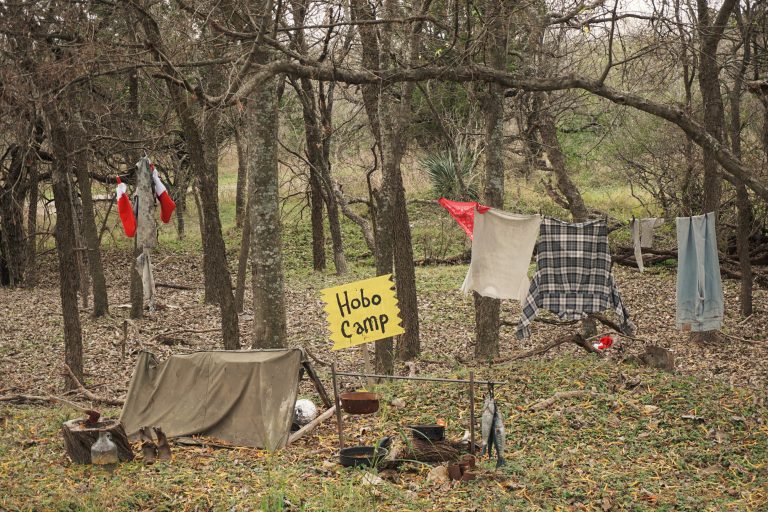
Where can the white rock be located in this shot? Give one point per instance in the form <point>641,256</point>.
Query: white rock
<point>438,475</point>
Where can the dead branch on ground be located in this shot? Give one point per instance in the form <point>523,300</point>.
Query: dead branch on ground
<point>90,395</point>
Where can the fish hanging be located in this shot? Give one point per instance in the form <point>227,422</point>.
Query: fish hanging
<point>492,429</point>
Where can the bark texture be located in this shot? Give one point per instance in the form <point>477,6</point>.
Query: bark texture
<point>487,310</point>
<point>269,324</point>
<point>90,233</point>
<point>65,246</point>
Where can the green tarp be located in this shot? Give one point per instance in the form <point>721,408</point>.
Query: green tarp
<point>243,397</point>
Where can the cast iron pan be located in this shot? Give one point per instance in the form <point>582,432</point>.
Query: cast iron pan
<point>355,456</point>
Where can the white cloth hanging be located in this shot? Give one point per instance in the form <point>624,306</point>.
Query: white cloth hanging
<point>642,236</point>
<point>144,268</point>
<point>501,254</point>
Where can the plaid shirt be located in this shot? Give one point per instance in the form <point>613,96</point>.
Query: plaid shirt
<point>573,276</point>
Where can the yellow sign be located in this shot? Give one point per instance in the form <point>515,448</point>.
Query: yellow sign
<point>362,311</point>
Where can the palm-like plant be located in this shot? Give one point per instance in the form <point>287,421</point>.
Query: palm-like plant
<point>448,173</point>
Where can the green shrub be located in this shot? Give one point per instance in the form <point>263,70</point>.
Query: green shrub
<point>444,171</point>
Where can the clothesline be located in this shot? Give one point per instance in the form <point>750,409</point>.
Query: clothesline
<point>574,277</point>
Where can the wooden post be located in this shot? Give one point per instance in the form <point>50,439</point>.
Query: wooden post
<point>472,412</point>
<point>318,384</point>
<point>124,341</point>
<point>367,365</point>
<point>338,407</point>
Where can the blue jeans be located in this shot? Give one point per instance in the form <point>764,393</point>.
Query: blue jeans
<point>699,287</point>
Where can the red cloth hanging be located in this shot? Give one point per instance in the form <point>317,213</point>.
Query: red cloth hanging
<point>463,212</point>
<point>125,210</point>
<point>166,203</point>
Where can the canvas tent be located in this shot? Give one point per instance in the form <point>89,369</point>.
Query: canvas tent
<point>243,397</point>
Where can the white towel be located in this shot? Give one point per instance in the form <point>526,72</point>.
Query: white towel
<point>501,254</point>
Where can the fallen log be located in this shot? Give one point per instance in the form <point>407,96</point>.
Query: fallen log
<point>578,393</point>
<point>578,339</point>
<point>457,259</point>
<point>311,425</point>
<point>90,395</point>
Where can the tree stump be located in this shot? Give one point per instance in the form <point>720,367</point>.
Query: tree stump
<point>78,439</point>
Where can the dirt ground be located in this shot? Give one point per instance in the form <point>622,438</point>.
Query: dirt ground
<point>31,347</point>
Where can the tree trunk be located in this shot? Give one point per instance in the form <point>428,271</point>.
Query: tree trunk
<point>314,157</point>
<point>316,208</point>
<point>79,438</point>
<point>743,206</point>
<point>325,105</point>
<point>12,215</point>
<point>334,222</point>
<point>242,177</point>
<point>487,310</point>
<point>361,10</point>
<point>34,190</point>
<point>242,261</point>
<point>742,242</point>
<point>91,238</point>
<point>65,246</point>
<point>269,324</point>
<point>202,149</point>
<point>566,186</point>
<point>710,34</point>
<point>179,192</point>
<point>408,344</point>
<point>218,276</point>
<point>137,288</point>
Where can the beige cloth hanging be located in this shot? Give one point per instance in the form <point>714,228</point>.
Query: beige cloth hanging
<point>501,254</point>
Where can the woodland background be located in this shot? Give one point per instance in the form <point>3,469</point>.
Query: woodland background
<point>305,144</point>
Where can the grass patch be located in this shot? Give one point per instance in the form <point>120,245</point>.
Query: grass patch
<point>578,454</point>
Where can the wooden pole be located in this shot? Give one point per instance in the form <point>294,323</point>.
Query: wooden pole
<point>472,412</point>
<point>367,365</point>
<point>427,379</point>
<point>339,425</point>
<point>311,425</point>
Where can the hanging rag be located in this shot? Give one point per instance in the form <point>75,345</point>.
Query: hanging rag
<point>501,254</point>
<point>144,201</point>
<point>463,212</point>
<point>144,268</point>
<point>573,276</point>
<point>642,236</point>
<point>699,286</point>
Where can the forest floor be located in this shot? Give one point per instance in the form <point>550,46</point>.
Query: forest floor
<point>695,439</point>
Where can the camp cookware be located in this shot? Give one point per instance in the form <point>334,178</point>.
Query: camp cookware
<point>428,432</point>
<point>359,402</point>
<point>355,456</point>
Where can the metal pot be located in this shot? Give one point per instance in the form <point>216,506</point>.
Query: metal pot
<point>355,456</point>
<point>359,402</point>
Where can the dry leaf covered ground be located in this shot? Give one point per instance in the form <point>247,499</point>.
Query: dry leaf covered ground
<point>629,447</point>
